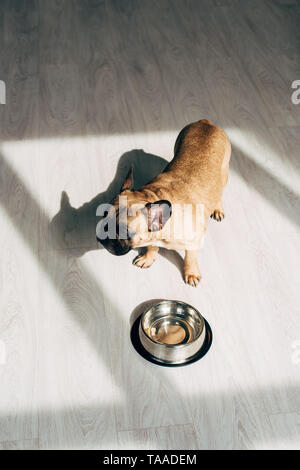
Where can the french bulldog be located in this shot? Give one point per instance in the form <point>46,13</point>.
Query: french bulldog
<point>173,209</point>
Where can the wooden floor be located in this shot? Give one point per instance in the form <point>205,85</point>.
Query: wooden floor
<point>93,86</point>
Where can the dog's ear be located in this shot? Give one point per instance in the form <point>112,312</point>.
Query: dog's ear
<point>64,201</point>
<point>157,214</point>
<point>128,183</point>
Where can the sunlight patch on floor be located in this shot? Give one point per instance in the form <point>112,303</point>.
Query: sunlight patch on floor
<point>258,151</point>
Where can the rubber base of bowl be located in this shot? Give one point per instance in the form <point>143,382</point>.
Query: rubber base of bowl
<point>136,342</point>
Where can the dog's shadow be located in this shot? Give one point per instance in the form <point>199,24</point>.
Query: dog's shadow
<point>74,230</point>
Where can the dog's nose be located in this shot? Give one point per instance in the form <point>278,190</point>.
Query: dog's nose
<point>115,247</point>
<point>120,250</point>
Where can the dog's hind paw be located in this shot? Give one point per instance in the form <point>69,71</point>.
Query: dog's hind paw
<point>192,279</point>
<point>218,215</point>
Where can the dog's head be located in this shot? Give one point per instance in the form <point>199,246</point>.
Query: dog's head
<point>130,219</point>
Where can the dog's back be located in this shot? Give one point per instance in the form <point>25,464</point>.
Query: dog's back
<point>201,160</point>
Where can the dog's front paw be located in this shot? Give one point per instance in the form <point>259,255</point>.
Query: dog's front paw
<point>143,261</point>
<point>192,279</point>
<point>218,215</point>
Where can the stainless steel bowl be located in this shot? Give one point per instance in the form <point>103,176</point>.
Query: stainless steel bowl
<point>172,332</point>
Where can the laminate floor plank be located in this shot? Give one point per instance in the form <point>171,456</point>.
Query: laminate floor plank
<point>162,438</point>
<point>289,424</point>
<point>20,445</point>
